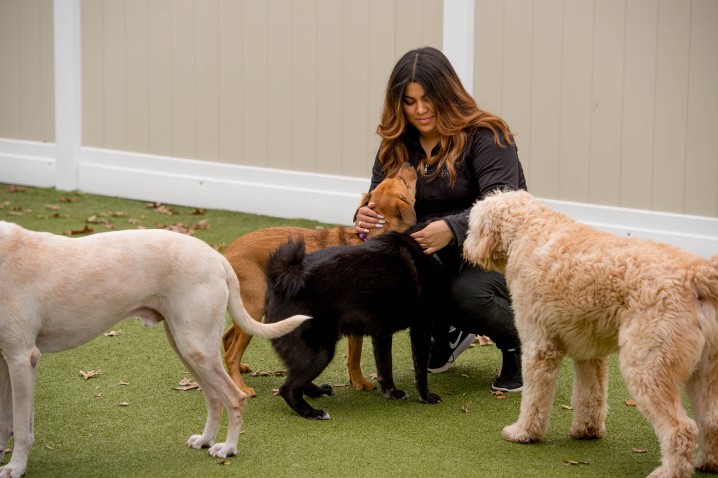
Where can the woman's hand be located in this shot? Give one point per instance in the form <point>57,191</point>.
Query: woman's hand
<point>367,218</point>
<point>436,235</point>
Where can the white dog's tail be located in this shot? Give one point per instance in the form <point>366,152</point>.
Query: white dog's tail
<point>707,280</point>
<point>244,321</point>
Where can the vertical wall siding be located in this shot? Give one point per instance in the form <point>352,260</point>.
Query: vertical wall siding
<point>279,83</point>
<point>614,102</point>
<point>27,109</point>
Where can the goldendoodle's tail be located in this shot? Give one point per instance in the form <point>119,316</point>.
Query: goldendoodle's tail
<point>707,280</point>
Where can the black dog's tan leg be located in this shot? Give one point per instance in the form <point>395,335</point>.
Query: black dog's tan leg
<point>540,367</point>
<point>590,392</point>
<point>382,356</point>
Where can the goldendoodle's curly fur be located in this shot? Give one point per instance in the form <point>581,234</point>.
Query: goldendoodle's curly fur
<point>583,293</point>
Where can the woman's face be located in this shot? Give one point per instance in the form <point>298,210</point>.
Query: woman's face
<point>419,111</point>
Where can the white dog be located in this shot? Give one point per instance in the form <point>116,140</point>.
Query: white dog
<point>57,293</point>
<point>580,292</point>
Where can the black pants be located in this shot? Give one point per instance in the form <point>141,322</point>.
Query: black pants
<point>482,306</point>
<point>480,302</point>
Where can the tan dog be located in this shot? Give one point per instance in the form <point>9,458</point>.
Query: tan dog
<point>583,293</point>
<point>248,254</point>
<point>57,293</point>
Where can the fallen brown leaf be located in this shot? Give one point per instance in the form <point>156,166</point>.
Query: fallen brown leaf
<point>53,207</point>
<point>188,384</point>
<point>630,402</point>
<point>85,230</point>
<point>639,450</point>
<point>122,382</point>
<point>15,189</point>
<point>114,333</point>
<point>465,407</point>
<point>90,374</point>
<point>66,199</point>
<point>224,462</point>
<point>567,407</point>
<point>198,211</point>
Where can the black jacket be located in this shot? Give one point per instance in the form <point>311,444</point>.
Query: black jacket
<point>484,167</point>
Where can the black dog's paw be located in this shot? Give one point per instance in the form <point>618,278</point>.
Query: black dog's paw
<point>397,394</point>
<point>431,398</point>
<point>314,391</point>
<point>318,415</point>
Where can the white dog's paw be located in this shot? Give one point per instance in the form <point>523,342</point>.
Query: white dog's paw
<point>199,441</point>
<point>517,434</point>
<point>11,471</point>
<point>223,450</point>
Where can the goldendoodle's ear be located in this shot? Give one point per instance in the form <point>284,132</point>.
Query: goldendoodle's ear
<point>483,245</point>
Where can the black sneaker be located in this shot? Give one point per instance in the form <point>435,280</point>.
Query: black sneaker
<point>441,361</point>
<point>510,379</point>
<point>508,384</point>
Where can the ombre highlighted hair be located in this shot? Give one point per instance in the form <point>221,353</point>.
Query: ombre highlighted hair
<point>455,111</point>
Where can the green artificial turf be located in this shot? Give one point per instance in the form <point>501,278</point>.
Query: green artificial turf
<point>130,421</point>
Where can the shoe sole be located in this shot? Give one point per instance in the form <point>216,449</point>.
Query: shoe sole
<point>507,390</point>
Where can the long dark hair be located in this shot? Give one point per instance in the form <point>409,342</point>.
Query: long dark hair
<point>454,108</point>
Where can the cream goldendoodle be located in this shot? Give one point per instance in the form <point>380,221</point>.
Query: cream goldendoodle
<point>584,293</point>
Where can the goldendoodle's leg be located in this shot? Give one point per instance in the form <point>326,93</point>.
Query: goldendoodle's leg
<point>540,366</point>
<point>654,371</point>
<point>702,390</point>
<point>590,391</point>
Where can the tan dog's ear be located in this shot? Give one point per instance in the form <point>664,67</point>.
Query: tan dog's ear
<point>408,215</point>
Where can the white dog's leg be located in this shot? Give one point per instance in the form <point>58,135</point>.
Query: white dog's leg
<point>21,368</point>
<point>540,366</point>
<point>218,388</point>
<point>702,390</point>
<point>589,400</point>
<point>654,373</point>
<point>5,407</point>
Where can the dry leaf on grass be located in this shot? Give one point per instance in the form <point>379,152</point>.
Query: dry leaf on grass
<point>483,340</point>
<point>630,402</point>
<point>224,462</point>
<point>264,373</point>
<point>123,404</point>
<point>66,199</point>
<point>113,333</point>
<point>465,407</point>
<point>639,450</point>
<point>53,207</point>
<point>90,374</point>
<point>567,407</point>
<point>122,382</point>
<point>15,189</point>
<point>85,230</point>
<point>188,384</point>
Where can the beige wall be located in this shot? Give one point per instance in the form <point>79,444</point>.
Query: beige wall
<point>279,84</point>
<point>27,108</point>
<point>615,101</point>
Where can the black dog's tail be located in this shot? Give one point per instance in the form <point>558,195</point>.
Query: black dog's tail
<point>286,274</point>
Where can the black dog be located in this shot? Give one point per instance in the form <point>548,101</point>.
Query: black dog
<point>377,288</point>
